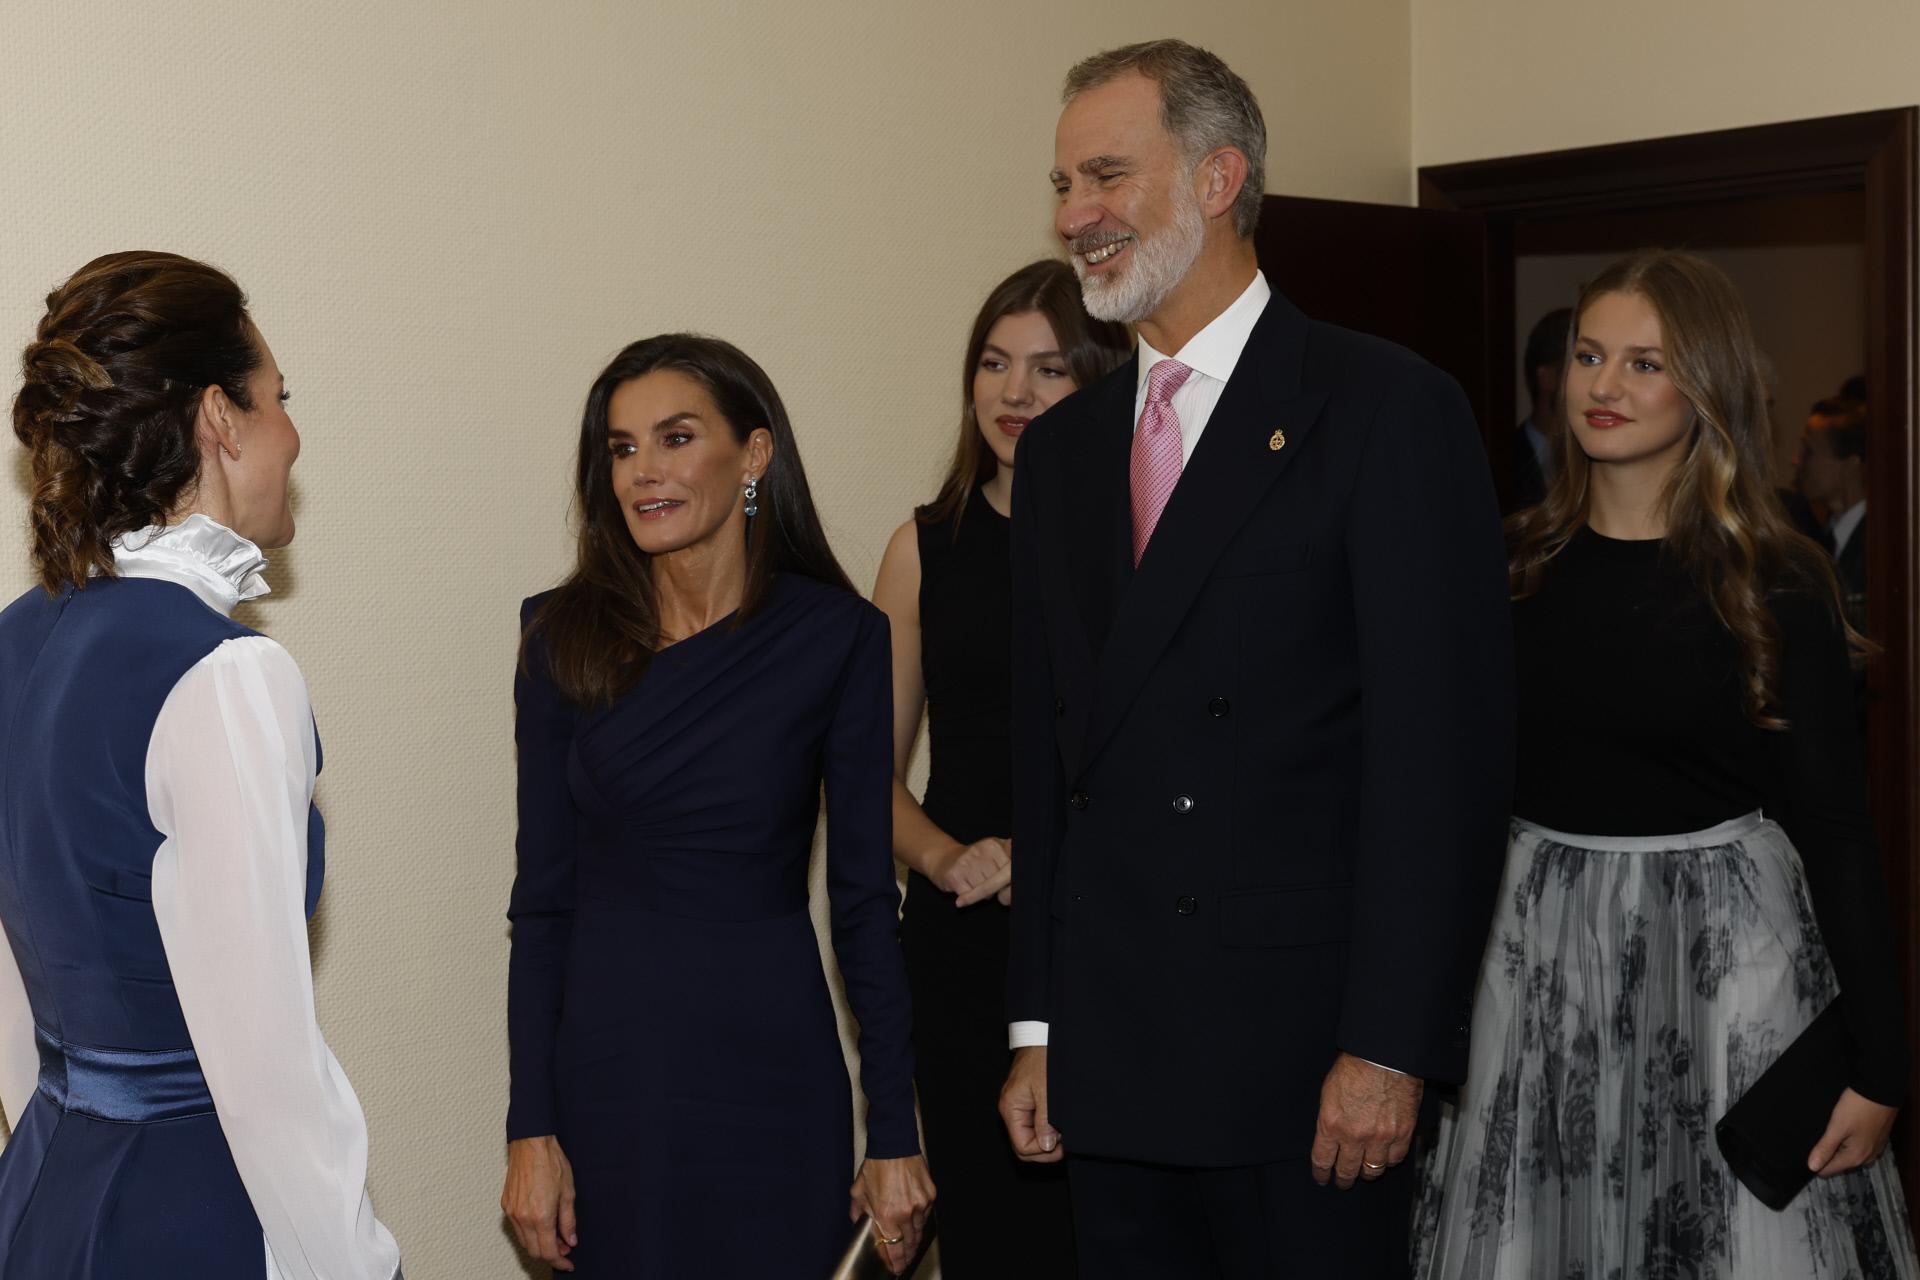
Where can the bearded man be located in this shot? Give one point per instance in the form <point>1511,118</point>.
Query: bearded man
<point>1262,728</point>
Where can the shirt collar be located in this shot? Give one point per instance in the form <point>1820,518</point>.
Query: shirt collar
<point>1536,439</point>
<point>1215,350</point>
<point>1846,524</point>
<point>200,554</point>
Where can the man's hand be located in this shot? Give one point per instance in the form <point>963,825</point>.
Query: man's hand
<point>1366,1121</point>
<point>1023,1106</point>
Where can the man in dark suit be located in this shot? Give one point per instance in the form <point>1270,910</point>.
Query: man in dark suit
<point>1544,361</point>
<point>1262,726</point>
<point>1831,471</point>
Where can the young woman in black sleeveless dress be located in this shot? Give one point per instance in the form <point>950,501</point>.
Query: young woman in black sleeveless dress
<point>944,585</point>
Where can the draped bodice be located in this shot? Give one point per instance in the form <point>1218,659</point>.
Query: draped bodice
<point>722,832</point>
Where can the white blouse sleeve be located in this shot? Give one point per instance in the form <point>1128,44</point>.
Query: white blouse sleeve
<point>230,773</point>
<point>19,1055</point>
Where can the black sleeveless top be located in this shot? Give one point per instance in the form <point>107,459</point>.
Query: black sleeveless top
<point>966,625</point>
<point>957,960</point>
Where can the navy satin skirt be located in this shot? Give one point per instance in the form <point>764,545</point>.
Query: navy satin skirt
<point>118,1170</point>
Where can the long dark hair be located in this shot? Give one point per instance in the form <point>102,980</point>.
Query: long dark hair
<point>110,400</point>
<point>1725,523</point>
<point>602,626</point>
<point>1092,348</point>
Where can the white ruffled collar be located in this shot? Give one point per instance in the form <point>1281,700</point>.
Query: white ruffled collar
<point>200,554</point>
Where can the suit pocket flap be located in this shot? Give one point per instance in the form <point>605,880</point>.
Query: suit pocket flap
<point>1293,917</point>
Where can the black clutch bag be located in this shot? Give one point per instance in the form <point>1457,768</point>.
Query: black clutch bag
<point>862,1260</point>
<point>1768,1134</point>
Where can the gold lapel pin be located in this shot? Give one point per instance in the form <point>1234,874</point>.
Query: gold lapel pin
<point>1277,441</point>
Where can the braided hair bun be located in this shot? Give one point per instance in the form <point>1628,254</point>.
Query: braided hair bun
<point>110,400</point>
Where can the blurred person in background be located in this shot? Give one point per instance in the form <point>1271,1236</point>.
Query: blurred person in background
<point>1533,446</point>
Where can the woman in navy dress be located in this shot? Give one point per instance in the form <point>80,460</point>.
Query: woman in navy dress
<point>176,1112</point>
<point>680,1102</point>
<point>946,588</point>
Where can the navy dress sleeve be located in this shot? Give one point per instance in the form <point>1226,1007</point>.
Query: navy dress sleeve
<point>1828,818</point>
<point>543,890</point>
<point>862,893</point>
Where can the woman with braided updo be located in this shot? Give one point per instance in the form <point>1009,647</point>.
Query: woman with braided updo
<point>176,1112</point>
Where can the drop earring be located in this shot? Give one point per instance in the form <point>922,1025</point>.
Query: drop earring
<point>753,498</point>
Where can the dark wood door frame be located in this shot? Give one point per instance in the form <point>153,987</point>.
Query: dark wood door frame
<point>1871,152</point>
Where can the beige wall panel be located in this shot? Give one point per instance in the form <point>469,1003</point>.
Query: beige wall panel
<point>1507,77</point>
<point>449,215</point>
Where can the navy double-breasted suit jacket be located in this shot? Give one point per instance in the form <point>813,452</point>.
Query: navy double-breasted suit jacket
<point>1262,781</point>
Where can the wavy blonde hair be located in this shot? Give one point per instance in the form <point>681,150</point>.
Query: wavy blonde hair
<point>1724,520</point>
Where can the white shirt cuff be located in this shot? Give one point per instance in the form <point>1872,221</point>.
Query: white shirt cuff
<point>1024,1035</point>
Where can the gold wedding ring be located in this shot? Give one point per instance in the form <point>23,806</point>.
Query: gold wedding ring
<point>886,1239</point>
<point>1371,1167</point>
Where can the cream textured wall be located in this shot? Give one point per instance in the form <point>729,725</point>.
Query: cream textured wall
<point>1507,77</point>
<point>449,214</point>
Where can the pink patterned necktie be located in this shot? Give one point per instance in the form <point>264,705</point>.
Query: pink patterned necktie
<point>1156,451</point>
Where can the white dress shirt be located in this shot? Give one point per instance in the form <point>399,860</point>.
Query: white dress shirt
<point>1842,526</point>
<point>1212,354</point>
<point>229,777</point>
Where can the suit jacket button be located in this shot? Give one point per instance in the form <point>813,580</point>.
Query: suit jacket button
<point>1185,906</point>
<point>1059,706</point>
<point>1219,707</point>
<point>1183,804</point>
<point>1078,799</point>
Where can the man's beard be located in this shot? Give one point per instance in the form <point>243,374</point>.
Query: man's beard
<point>1160,263</point>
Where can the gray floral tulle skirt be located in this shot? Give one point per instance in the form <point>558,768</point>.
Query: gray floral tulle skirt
<point>1632,989</point>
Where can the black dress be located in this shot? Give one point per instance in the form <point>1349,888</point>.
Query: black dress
<point>669,1017</point>
<point>999,1217</point>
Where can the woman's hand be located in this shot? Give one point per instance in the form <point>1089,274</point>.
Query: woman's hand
<point>977,871</point>
<point>538,1200</point>
<point>898,1194</point>
<point>1855,1136</point>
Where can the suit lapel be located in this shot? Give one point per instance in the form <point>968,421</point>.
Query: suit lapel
<point>1099,512</point>
<point>1232,468</point>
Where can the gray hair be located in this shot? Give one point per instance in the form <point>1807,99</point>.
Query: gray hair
<point>1203,104</point>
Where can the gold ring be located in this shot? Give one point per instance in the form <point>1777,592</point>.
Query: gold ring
<point>1371,1167</point>
<point>886,1239</point>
